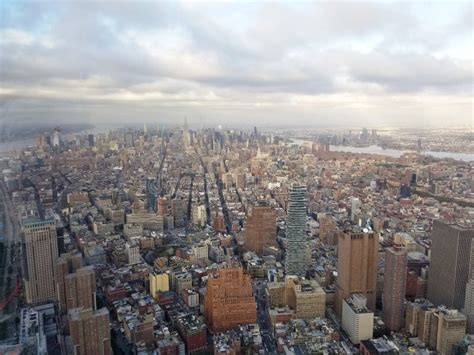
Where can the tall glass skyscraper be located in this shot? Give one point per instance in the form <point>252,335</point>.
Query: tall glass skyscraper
<point>151,194</point>
<point>296,248</point>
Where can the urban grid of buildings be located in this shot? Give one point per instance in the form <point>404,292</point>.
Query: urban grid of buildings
<point>216,241</point>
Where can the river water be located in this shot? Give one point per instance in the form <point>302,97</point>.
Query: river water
<point>395,153</point>
<point>16,145</point>
<point>21,144</point>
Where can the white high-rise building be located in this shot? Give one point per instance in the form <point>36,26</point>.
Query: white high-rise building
<point>56,137</point>
<point>355,205</point>
<point>357,319</point>
<point>133,253</point>
<point>186,134</point>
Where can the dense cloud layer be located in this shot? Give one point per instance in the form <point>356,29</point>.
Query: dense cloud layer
<point>281,64</point>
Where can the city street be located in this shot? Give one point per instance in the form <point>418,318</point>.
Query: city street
<point>11,270</point>
<point>262,317</point>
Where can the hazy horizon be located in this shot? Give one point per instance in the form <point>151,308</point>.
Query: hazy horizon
<point>279,64</point>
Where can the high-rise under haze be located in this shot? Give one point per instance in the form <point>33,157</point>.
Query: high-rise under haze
<point>295,263</point>
<point>451,264</point>
<point>40,255</point>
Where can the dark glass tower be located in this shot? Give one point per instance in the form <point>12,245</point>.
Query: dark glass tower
<point>296,248</point>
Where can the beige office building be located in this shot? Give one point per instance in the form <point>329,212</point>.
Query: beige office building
<point>159,282</point>
<point>418,318</point>
<point>356,267</point>
<point>448,327</point>
<point>149,221</point>
<point>68,263</point>
<point>80,289</point>
<point>424,324</point>
<point>40,245</point>
<point>305,297</point>
<point>275,294</point>
<point>90,331</point>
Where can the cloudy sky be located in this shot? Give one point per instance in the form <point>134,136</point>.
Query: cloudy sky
<point>316,64</point>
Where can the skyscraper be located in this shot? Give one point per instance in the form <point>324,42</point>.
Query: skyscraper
<point>151,194</point>
<point>295,252</point>
<point>90,331</point>
<point>91,140</point>
<point>40,250</point>
<point>468,309</point>
<point>81,288</point>
<point>229,300</point>
<point>67,264</point>
<point>260,229</point>
<point>452,263</point>
<point>448,327</point>
<point>186,134</point>
<point>357,256</point>
<point>394,286</point>
<point>57,137</point>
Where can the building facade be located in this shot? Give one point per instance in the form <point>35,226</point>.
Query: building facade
<point>394,287</point>
<point>90,331</point>
<point>68,263</point>
<point>356,267</point>
<point>468,309</point>
<point>40,248</point>
<point>448,327</point>
<point>229,300</point>
<point>80,289</point>
<point>260,229</point>
<point>451,264</point>
<point>159,282</point>
<point>305,297</point>
<point>133,253</point>
<point>295,263</point>
<point>357,319</point>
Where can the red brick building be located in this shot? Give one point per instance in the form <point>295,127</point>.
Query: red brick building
<point>218,223</point>
<point>260,229</point>
<point>229,300</point>
<point>90,331</point>
<point>193,332</point>
<point>394,286</point>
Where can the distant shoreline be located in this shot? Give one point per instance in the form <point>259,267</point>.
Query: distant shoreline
<point>25,133</point>
<point>394,153</point>
<point>22,143</point>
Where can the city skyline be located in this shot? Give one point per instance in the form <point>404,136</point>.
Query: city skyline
<point>235,178</point>
<point>219,241</point>
<point>305,64</point>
